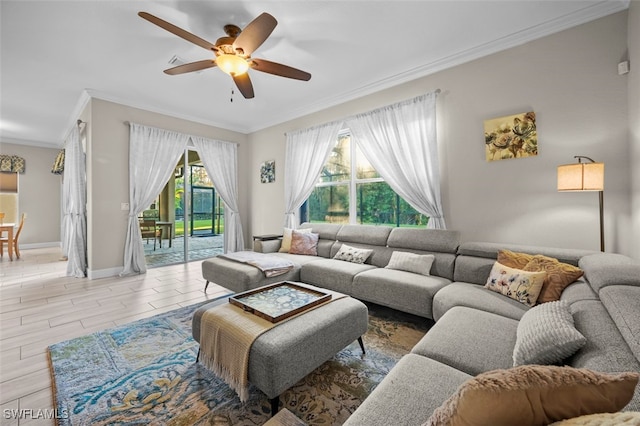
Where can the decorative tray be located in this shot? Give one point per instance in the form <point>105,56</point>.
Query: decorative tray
<point>278,301</point>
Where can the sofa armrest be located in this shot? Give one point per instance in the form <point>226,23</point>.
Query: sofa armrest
<point>269,246</point>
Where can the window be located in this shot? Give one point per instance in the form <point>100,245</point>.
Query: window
<point>350,190</point>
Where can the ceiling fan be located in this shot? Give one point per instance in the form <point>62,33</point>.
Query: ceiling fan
<point>233,52</point>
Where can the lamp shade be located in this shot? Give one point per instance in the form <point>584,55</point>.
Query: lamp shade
<point>581,177</point>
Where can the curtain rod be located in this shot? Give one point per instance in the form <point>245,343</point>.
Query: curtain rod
<point>80,122</point>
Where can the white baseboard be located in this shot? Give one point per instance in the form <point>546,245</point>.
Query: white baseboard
<point>104,273</point>
<point>40,245</point>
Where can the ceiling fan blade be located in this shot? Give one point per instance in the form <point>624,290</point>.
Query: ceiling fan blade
<point>279,69</point>
<point>244,84</point>
<point>191,66</point>
<point>178,31</point>
<point>254,34</point>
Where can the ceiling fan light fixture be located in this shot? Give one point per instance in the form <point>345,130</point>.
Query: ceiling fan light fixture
<point>232,64</point>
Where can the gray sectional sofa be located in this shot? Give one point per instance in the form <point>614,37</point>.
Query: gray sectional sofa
<point>475,329</point>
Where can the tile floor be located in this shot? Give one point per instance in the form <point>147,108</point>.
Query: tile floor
<point>40,306</point>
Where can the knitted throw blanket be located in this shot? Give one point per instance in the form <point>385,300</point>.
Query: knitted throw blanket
<point>226,335</point>
<point>271,265</point>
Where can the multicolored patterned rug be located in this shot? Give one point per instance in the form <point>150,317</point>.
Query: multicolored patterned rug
<point>145,373</point>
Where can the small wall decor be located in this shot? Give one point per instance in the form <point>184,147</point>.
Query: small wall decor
<point>268,171</point>
<point>513,136</point>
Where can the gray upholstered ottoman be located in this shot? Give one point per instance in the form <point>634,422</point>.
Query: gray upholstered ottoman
<point>285,354</point>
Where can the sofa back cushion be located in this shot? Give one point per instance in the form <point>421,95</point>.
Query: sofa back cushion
<point>443,244</point>
<point>327,233</point>
<point>364,234</point>
<point>605,269</point>
<point>475,260</point>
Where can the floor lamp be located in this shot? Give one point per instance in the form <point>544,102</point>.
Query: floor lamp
<point>584,177</point>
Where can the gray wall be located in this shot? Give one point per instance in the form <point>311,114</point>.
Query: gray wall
<point>108,176</point>
<point>570,80</point>
<point>39,195</point>
<point>634,120</point>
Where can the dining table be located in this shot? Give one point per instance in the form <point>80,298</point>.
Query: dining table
<point>8,228</point>
<point>162,225</point>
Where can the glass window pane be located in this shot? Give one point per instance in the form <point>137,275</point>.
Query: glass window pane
<point>329,204</point>
<point>338,167</point>
<point>364,169</point>
<point>378,204</point>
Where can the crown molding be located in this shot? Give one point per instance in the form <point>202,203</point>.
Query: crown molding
<point>27,142</point>
<point>171,113</point>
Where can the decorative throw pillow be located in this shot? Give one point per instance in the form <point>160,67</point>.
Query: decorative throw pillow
<point>304,243</point>
<point>514,259</point>
<point>546,335</point>
<point>285,246</point>
<point>534,395</point>
<point>559,276</point>
<point>352,254</point>
<point>515,283</point>
<point>624,418</point>
<point>411,262</point>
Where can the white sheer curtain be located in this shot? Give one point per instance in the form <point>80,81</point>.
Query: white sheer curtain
<point>220,160</point>
<point>400,143</point>
<point>74,222</point>
<point>305,154</point>
<point>153,154</point>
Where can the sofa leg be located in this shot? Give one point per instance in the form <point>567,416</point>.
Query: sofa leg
<point>275,403</point>
<point>361,345</point>
<point>198,356</point>
<point>206,285</point>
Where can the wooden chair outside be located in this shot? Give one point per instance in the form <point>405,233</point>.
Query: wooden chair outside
<point>149,230</point>
<point>5,240</point>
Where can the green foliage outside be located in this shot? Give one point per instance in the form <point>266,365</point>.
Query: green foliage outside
<point>198,225</point>
<point>376,202</point>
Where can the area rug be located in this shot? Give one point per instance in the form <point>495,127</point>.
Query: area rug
<point>145,373</point>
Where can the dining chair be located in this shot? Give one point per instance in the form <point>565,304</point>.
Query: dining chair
<point>148,230</point>
<point>5,240</point>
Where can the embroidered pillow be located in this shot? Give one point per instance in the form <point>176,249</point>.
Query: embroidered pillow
<point>534,395</point>
<point>285,246</point>
<point>411,262</point>
<point>304,243</point>
<point>517,284</point>
<point>352,254</point>
<point>559,276</point>
<point>546,335</point>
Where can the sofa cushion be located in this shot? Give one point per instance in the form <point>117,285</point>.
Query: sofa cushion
<point>475,296</point>
<point>534,395</point>
<point>579,290</point>
<point>470,340</point>
<point>546,335</point>
<point>623,304</point>
<point>304,243</point>
<point>409,393</point>
<point>405,291</point>
<point>239,277</point>
<point>411,262</point>
<point>364,234</point>
<point>606,275</point>
<point>332,274</point>
<point>326,231</point>
<point>490,251</point>
<point>352,254</point>
<point>517,284</point>
<point>430,240</point>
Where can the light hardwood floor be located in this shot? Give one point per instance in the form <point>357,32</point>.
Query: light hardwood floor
<point>40,306</point>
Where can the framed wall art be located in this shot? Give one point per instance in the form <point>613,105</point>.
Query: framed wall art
<point>513,136</point>
<point>268,171</point>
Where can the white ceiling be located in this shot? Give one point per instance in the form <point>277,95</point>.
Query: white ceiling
<point>55,53</point>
